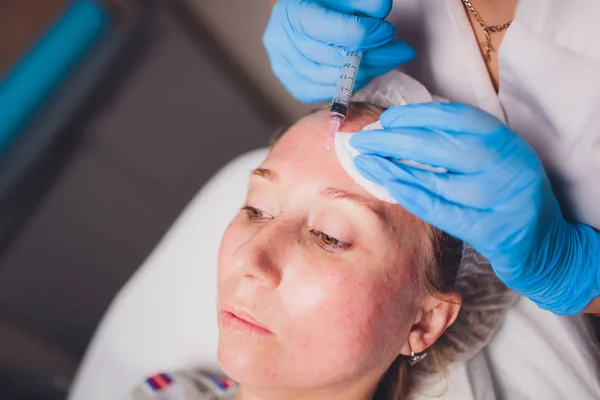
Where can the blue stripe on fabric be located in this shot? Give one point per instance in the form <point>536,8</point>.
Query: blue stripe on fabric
<point>47,64</point>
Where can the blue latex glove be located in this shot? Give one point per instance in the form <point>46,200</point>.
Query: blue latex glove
<point>496,196</point>
<point>307,42</point>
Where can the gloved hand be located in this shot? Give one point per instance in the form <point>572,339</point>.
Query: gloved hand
<point>307,40</point>
<point>495,196</point>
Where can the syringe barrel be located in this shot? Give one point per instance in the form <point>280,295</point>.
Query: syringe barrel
<point>338,108</point>
<point>346,82</point>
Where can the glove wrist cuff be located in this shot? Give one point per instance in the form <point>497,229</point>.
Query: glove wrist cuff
<point>575,276</point>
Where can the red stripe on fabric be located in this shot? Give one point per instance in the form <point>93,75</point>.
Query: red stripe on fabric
<point>159,382</point>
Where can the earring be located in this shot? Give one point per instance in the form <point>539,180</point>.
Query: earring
<point>415,358</point>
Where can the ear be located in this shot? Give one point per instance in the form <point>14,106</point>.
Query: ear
<point>435,315</point>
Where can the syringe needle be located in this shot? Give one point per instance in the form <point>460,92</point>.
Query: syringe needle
<point>334,127</point>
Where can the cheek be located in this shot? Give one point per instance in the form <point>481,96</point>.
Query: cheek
<point>353,305</point>
<point>342,318</point>
<point>369,307</point>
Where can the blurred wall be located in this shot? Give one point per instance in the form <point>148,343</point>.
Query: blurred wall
<point>16,35</point>
<point>239,25</point>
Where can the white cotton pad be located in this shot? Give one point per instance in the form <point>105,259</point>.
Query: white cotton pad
<point>390,90</point>
<point>346,153</point>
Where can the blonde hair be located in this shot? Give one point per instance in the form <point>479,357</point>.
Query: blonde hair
<point>437,271</point>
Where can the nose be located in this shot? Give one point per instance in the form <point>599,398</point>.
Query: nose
<point>263,257</point>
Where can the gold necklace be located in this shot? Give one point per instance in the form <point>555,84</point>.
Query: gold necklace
<point>488,30</point>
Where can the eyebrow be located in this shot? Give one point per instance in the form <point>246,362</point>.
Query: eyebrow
<point>267,174</point>
<point>331,193</point>
<point>334,193</point>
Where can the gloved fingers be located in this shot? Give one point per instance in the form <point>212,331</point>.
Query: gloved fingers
<point>322,64</point>
<point>386,57</point>
<point>393,53</point>
<point>361,81</point>
<point>456,220</point>
<point>312,50</point>
<point>373,8</point>
<point>310,83</point>
<point>453,152</point>
<point>307,69</point>
<point>369,72</point>
<point>451,117</point>
<point>473,191</point>
<point>304,89</point>
<point>337,28</point>
<point>307,40</point>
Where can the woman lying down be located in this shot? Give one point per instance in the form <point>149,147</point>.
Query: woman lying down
<point>326,292</point>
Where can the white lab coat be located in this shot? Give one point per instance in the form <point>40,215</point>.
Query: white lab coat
<point>549,92</point>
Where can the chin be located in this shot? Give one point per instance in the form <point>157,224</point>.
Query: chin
<point>248,367</point>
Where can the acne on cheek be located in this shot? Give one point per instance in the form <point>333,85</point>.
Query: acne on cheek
<point>371,319</point>
<point>354,302</point>
<point>354,314</point>
<point>404,268</point>
<point>404,275</point>
<point>394,291</point>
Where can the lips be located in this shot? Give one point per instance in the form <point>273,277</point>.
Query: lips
<point>237,318</point>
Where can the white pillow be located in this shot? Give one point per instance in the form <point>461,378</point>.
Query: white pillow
<point>164,318</point>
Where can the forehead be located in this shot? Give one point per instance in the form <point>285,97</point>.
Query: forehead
<point>301,153</point>
<point>305,166</point>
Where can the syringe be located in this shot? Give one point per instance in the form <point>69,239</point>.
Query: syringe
<point>343,92</point>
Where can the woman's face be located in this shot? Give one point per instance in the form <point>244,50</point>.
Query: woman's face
<point>326,269</point>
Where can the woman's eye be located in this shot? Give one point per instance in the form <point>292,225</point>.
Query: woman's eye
<point>254,214</point>
<point>329,242</point>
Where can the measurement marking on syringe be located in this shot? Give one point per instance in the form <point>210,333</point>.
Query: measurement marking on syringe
<point>347,80</point>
